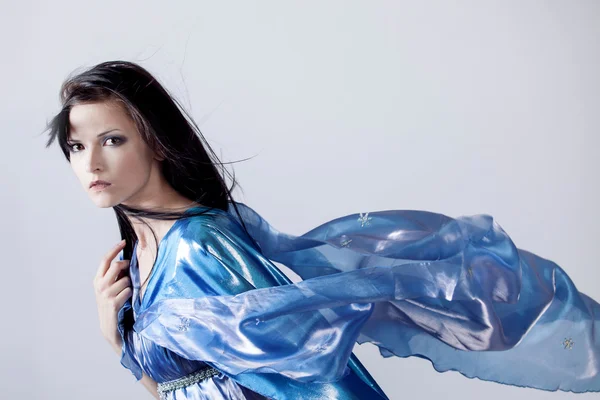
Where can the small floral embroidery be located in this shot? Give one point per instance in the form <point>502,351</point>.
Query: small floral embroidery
<point>321,348</point>
<point>346,242</point>
<point>568,343</point>
<point>184,325</point>
<point>364,219</point>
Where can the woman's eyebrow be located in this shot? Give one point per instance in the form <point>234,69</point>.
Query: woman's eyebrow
<point>100,134</point>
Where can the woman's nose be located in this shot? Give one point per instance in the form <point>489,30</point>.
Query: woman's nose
<point>94,160</point>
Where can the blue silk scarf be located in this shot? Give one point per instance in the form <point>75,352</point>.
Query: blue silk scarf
<point>456,291</point>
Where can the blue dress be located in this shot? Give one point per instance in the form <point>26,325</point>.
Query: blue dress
<point>456,291</point>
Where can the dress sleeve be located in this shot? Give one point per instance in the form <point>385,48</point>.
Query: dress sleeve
<point>455,291</point>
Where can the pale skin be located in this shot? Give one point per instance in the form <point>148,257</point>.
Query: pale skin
<point>122,158</point>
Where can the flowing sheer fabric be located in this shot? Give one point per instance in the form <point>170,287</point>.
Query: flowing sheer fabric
<point>415,283</point>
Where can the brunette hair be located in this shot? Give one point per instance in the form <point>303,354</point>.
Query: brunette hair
<point>189,165</point>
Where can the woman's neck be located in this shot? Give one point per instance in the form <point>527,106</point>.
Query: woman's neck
<point>160,227</point>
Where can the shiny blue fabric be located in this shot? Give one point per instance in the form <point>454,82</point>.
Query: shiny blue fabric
<point>415,283</point>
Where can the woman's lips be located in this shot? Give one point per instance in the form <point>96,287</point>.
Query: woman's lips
<point>100,186</point>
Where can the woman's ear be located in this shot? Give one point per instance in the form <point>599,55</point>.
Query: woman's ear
<point>158,155</point>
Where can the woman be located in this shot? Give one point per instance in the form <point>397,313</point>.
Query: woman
<point>201,311</point>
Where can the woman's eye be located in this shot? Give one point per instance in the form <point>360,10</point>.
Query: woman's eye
<point>118,140</point>
<point>115,141</point>
<point>72,147</point>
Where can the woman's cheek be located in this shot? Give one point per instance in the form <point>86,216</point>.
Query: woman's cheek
<point>134,170</point>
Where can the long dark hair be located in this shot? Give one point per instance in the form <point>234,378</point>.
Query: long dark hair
<point>189,165</point>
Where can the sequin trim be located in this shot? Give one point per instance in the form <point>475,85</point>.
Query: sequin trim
<point>164,387</point>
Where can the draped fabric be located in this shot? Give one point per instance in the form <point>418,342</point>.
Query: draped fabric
<point>456,291</point>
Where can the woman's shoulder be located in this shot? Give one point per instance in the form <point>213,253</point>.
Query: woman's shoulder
<point>212,224</point>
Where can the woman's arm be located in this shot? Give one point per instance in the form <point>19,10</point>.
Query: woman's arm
<point>148,382</point>
<point>112,291</point>
<point>150,385</point>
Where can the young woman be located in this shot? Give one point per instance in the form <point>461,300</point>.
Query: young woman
<point>201,311</point>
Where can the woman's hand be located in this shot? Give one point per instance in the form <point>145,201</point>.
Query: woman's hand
<point>112,290</point>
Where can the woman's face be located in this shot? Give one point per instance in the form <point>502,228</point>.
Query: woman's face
<point>106,145</point>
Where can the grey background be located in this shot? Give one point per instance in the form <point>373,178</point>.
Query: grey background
<point>460,107</point>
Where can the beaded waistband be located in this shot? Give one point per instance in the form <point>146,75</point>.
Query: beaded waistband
<point>195,377</point>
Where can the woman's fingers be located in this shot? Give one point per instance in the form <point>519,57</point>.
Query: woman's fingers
<point>122,297</point>
<point>119,285</point>
<point>114,270</point>
<point>112,291</point>
<point>108,257</point>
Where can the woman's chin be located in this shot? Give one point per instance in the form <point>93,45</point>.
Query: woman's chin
<point>104,203</point>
